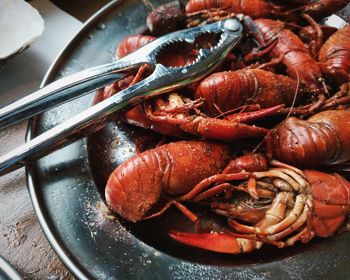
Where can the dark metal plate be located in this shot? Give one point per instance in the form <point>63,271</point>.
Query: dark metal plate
<point>65,187</point>
<point>7,272</point>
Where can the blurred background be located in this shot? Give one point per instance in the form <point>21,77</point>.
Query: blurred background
<point>80,9</point>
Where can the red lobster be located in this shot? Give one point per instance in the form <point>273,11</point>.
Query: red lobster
<point>225,91</point>
<point>149,180</point>
<point>132,43</point>
<point>281,199</point>
<point>315,35</point>
<point>323,139</point>
<point>296,57</point>
<point>145,180</point>
<point>176,115</point>
<point>291,206</point>
<point>264,9</point>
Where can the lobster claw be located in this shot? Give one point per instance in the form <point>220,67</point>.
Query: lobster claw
<point>215,241</point>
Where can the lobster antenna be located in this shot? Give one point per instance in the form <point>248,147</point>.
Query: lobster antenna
<point>287,116</point>
<point>295,95</point>
<point>240,109</point>
<point>259,145</point>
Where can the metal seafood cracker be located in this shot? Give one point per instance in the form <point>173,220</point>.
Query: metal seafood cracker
<point>163,79</point>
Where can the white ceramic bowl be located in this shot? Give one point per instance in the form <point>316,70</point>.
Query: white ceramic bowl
<point>20,25</point>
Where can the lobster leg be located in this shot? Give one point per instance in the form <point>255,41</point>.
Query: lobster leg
<point>184,210</point>
<point>299,236</point>
<point>221,129</point>
<point>296,225</point>
<point>342,97</point>
<point>212,191</point>
<point>247,117</point>
<point>204,184</point>
<point>305,235</point>
<point>290,219</point>
<point>250,163</point>
<point>311,108</point>
<point>280,173</point>
<point>287,166</point>
<point>251,190</point>
<point>273,216</point>
<point>217,242</point>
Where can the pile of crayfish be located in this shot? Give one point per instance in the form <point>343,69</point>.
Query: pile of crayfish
<point>258,141</point>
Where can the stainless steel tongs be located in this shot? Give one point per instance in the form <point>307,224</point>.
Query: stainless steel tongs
<point>163,79</point>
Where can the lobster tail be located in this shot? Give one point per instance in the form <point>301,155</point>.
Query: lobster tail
<point>321,140</point>
<point>294,142</point>
<point>331,194</point>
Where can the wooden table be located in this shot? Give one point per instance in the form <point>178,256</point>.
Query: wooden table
<point>22,241</point>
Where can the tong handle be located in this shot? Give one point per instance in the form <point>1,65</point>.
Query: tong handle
<point>163,79</point>
<point>88,121</point>
<point>64,90</point>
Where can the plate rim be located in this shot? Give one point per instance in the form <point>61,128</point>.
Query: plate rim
<point>8,270</point>
<point>71,264</point>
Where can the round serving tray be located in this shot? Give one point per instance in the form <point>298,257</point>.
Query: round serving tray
<point>65,188</point>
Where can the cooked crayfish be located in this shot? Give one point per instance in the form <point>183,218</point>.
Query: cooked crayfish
<point>157,178</point>
<point>177,115</point>
<point>318,8</point>
<point>172,115</point>
<point>295,56</point>
<point>132,43</point>
<point>291,206</point>
<point>323,139</point>
<point>143,182</point>
<point>225,91</point>
<point>284,204</point>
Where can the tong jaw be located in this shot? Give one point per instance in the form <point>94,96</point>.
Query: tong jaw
<point>168,78</point>
<point>231,31</point>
